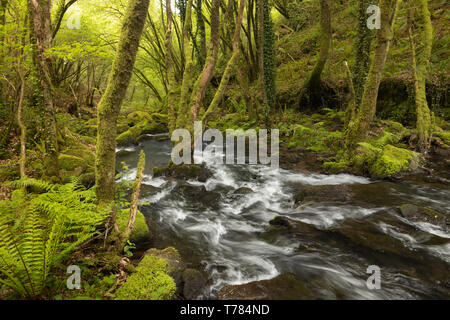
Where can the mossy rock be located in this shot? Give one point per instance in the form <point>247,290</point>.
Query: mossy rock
<point>129,137</point>
<point>444,136</point>
<point>365,156</point>
<point>392,161</point>
<point>175,266</point>
<point>150,281</point>
<point>153,127</point>
<point>137,117</point>
<point>69,162</point>
<point>140,231</point>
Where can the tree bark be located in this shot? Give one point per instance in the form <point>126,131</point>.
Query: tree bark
<point>204,79</point>
<point>420,71</point>
<point>231,65</point>
<point>108,108</point>
<point>359,127</point>
<point>311,88</point>
<point>134,200</point>
<point>41,28</point>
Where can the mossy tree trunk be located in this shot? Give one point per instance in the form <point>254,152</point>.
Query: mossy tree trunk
<point>360,125</point>
<point>311,88</point>
<point>184,116</point>
<point>420,71</point>
<point>41,31</point>
<point>231,65</point>
<point>108,108</point>
<point>363,42</point>
<point>23,129</point>
<point>170,69</point>
<point>204,79</point>
<point>202,32</point>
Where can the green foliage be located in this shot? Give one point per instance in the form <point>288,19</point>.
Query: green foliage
<point>149,282</point>
<point>39,231</point>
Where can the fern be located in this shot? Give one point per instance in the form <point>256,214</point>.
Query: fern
<point>52,225</point>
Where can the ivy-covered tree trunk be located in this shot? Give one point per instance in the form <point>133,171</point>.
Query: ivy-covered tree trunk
<point>108,108</point>
<point>202,32</point>
<point>359,127</point>
<point>269,57</point>
<point>311,88</point>
<point>41,31</point>
<point>420,71</point>
<point>364,39</point>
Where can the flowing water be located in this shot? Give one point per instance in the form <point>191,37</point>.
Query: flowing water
<point>221,226</point>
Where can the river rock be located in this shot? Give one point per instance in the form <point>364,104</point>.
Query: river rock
<point>175,266</point>
<point>283,287</point>
<point>377,193</point>
<point>183,172</point>
<point>243,190</point>
<point>147,189</point>
<point>423,214</point>
<point>194,283</point>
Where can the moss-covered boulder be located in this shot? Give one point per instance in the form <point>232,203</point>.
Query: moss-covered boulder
<point>392,161</point>
<point>129,137</point>
<point>175,266</point>
<point>138,116</point>
<point>153,127</point>
<point>149,282</point>
<point>140,231</point>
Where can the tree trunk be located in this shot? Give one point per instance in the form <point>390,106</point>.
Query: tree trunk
<point>134,200</point>
<point>229,68</point>
<point>204,79</point>
<point>420,71</point>
<point>359,127</point>
<point>311,89</point>
<point>41,28</point>
<point>108,108</point>
<point>172,83</point>
<point>362,51</point>
<point>23,129</point>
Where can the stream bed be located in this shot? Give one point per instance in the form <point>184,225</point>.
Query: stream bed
<point>330,230</point>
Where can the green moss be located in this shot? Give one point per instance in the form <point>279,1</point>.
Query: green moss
<point>335,167</point>
<point>138,116</point>
<point>70,162</point>
<point>444,136</point>
<point>149,282</point>
<point>152,127</point>
<point>140,231</point>
<point>391,161</point>
<point>129,137</point>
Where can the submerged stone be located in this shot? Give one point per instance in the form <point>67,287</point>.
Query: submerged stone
<point>283,287</point>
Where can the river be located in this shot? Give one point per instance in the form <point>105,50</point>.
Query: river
<point>221,226</point>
